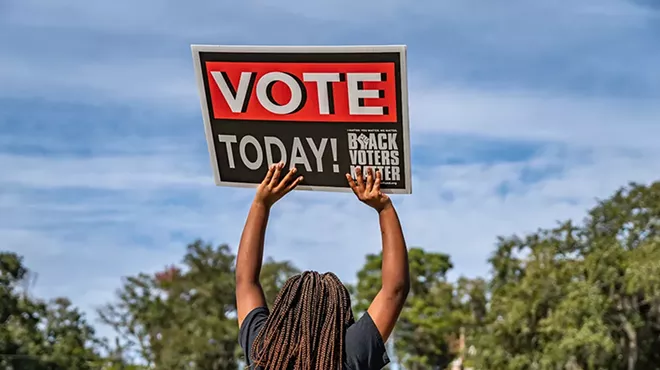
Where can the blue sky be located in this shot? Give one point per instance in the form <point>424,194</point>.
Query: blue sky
<point>522,113</point>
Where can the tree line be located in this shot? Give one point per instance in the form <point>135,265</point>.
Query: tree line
<point>581,295</point>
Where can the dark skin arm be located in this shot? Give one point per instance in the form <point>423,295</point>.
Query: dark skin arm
<point>249,294</point>
<point>388,303</point>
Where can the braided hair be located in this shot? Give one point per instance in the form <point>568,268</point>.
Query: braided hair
<point>305,330</point>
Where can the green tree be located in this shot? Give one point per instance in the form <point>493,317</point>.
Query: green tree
<point>35,335</point>
<point>19,319</point>
<point>70,342</point>
<point>117,359</point>
<point>184,317</point>
<point>427,332</point>
<point>579,296</point>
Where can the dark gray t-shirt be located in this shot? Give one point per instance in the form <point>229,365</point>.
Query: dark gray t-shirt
<point>363,345</point>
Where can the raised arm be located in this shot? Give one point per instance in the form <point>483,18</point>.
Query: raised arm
<point>386,306</point>
<point>249,294</point>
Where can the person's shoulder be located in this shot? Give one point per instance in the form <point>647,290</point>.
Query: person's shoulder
<point>256,315</point>
<point>365,348</point>
<point>251,326</point>
<point>364,326</point>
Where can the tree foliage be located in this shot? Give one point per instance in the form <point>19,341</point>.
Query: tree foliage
<point>184,317</point>
<point>180,318</point>
<point>580,296</point>
<point>37,335</point>
<point>426,335</point>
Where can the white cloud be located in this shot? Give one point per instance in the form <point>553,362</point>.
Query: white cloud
<point>473,12</point>
<point>528,115</point>
<point>82,246</point>
<point>160,82</point>
<point>465,225</point>
<point>124,17</point>
<point>113,173</point>
<point>519,32</point>
<point>214,17</point>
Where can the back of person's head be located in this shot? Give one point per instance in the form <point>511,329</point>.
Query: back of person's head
<point>305,329</point>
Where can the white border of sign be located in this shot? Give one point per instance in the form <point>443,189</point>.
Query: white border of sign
<point>401,49</point>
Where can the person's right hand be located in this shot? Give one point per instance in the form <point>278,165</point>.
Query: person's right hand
<point>272,188</point>
<point>369,192</point>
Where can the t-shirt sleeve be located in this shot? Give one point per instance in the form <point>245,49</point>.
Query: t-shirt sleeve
<point>365,349</point>
<point>250,328</point>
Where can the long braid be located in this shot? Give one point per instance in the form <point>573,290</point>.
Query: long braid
<point>291,286</point>
<point>345,314</point>
<point>306,327</point>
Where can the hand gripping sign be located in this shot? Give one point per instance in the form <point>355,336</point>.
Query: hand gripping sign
<point>325,110</point>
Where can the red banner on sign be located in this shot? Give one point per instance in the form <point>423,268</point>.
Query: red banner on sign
<point>323,92</point>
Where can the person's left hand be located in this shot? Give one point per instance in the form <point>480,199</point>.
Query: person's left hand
<point>272,189</point>
<point>369,193</point>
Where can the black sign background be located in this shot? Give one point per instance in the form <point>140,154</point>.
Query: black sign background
<point>330,180</point>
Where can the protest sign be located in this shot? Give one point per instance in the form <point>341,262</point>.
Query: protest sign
<point>325,110</point>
